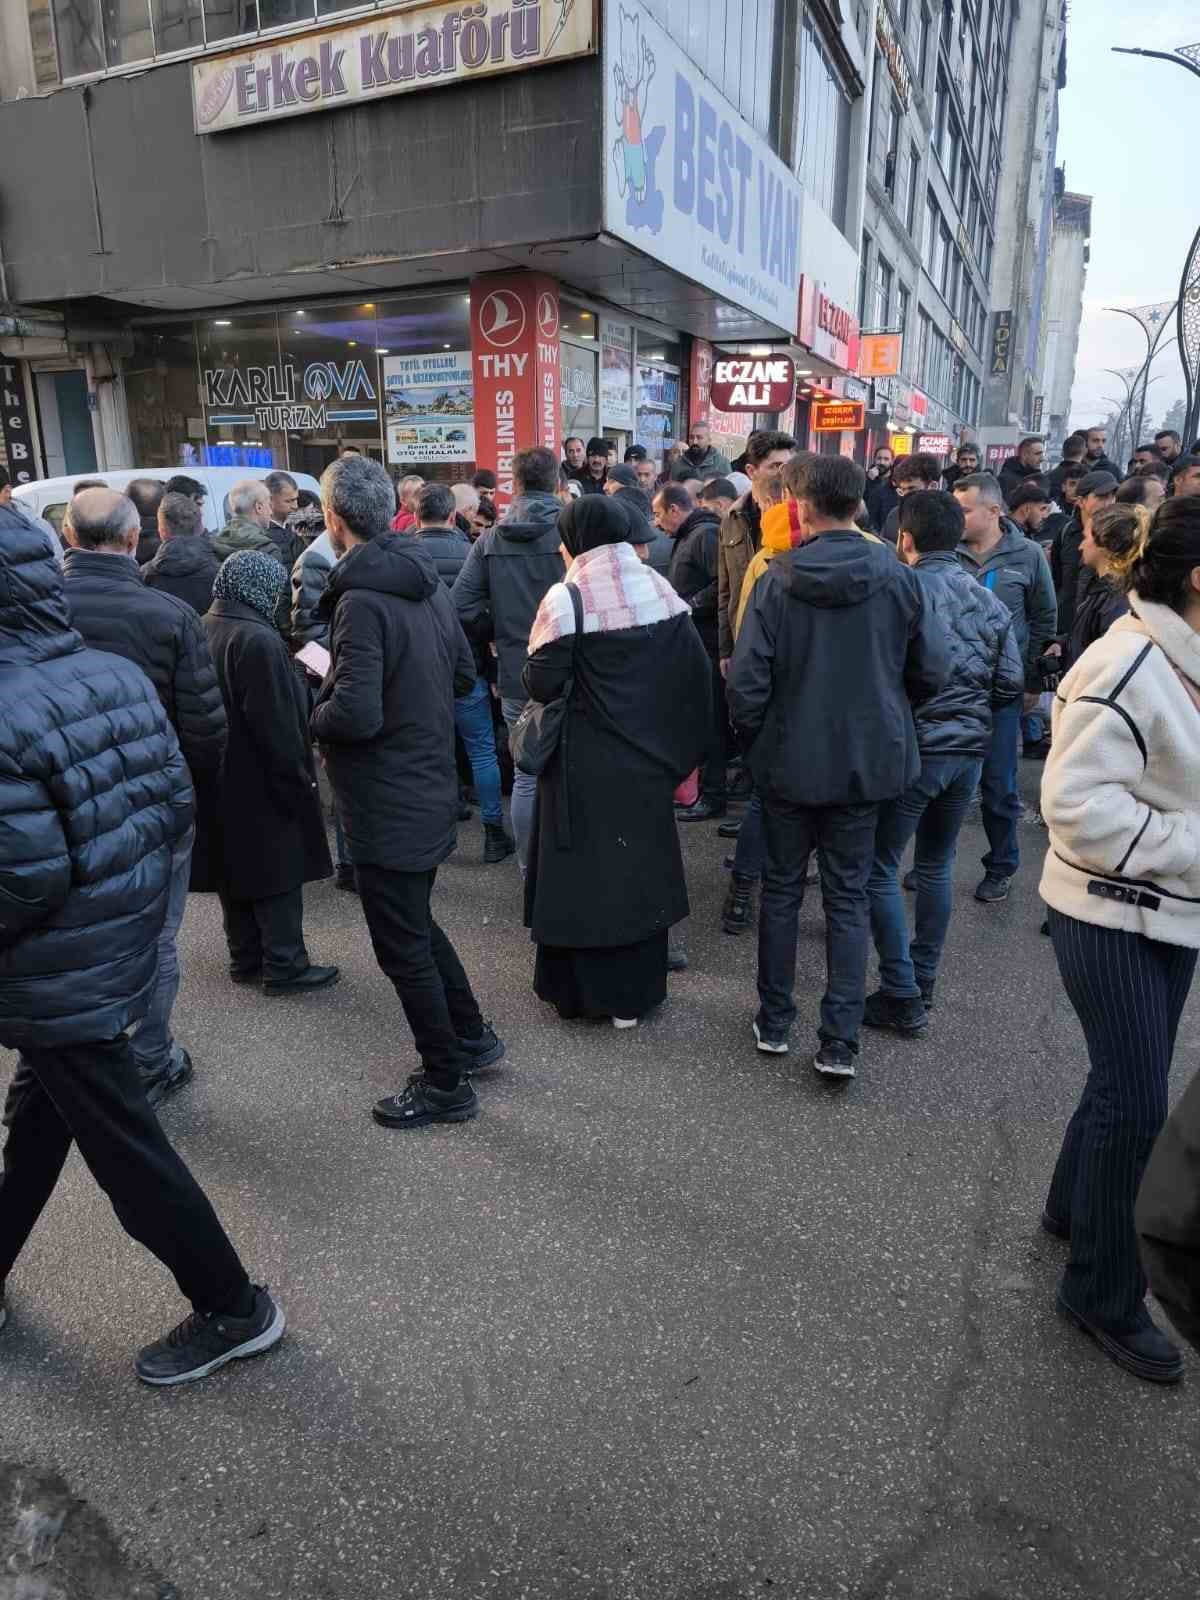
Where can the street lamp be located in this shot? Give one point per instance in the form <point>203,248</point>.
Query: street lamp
<point>1128,378</point>
<point>1153,321</point>
<point>1188,312</point>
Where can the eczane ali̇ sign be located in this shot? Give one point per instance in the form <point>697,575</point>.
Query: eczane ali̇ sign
<point>386,55</point>
<point>752,383</point>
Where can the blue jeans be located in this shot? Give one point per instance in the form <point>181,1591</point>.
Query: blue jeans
<point>748,853</point>
<point>1033,727</point>
<point>473,719</point>
<point>1001,800</point>
<point>524,790</point>
<point>844,839</point>
<point>933,808</point>
<point>151,1038</point>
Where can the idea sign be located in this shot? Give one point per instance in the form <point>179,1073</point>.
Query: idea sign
<point>752,383</point>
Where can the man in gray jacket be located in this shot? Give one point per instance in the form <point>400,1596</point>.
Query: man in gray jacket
<point>1013,568</point>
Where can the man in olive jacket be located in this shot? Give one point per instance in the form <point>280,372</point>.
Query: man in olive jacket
<point>385,723</point>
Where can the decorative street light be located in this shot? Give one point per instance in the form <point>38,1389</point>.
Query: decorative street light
<point>1154,321</point>
<point>1188,312</point>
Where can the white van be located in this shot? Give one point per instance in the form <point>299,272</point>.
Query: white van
<point>48,497</point>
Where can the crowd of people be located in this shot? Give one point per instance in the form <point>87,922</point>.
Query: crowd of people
<point>852,658</point>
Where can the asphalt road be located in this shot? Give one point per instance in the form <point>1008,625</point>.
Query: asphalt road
<point>670,1321</point>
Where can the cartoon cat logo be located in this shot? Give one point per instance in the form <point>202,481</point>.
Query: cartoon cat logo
<point>635,151</point>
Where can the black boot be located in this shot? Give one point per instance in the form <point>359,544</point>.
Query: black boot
<point>737,914</point>
<point>497,842</point>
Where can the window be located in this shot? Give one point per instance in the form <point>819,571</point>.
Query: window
<point>891,151</point>
<point>942,279</point>
<point>822,126</point>
<point>883,293</point>
<point>923,52</point>
<point>932,217</point>
<point>920,369</point>
<point>903,299</point>
<point>862,280</point>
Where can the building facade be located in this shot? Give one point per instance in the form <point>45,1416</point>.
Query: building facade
<point>1014,395</point>
<point>262,230</point>
<point>1067,277</point>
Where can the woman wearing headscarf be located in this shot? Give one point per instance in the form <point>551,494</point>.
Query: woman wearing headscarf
<point>271,834</point>
<point>605,879</point>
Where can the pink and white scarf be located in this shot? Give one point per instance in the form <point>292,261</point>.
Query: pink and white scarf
<point>617,589</point>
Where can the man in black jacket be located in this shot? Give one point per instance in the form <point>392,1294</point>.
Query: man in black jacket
<point>146,494</point>
<point>186,564</point>
<point>966,461</point>
<point>499,590</point>
<point>1025,467</point>
<point>96,799</point>
<point>385,723</point>
<point>1096,456</point>
<point>113,610</point>
<point>694,576</point>
<point>954,729</point>
<point>472,711</point>
<point>880,492</point>
<point>836,644</point>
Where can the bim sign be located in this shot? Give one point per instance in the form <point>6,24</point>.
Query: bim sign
<point>752,383</point>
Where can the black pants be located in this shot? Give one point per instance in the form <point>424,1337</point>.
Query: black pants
<point>1128,993</point>
<point>844,839</point>
<point>92,1093</point>
<point>424,967</point>
<point>266,936</point>
<point>713,786</point>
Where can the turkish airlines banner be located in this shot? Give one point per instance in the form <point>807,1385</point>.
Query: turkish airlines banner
<point>514,360</point>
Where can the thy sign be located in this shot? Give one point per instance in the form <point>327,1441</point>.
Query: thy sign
<point>752,383</point>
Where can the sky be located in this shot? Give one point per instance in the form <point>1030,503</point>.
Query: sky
<point>1127,136</point>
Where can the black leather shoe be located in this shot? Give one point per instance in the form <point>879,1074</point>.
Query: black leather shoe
<point>1146,1351</point>
<point>254,975</point>
<point>730,829</point>
<point>304,982</point>
<point>702,811</point>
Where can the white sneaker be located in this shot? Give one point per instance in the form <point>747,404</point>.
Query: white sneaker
<point>624,1022</point>
<point>769,1043</point>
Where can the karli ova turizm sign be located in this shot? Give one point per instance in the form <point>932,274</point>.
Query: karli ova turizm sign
<point>752,383</point>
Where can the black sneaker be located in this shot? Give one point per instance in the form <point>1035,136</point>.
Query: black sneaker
<point>498,843</point>
<point>834,1059</point>
<point>306,982</point>
<point>164,1084</point>
<point>730,829</point>
<point>737,914</point>
<point>483,1052</point>
<point>419,1104</point>
<point>1146,1352</point>
<point>771,1041</point>
<point>208,1340</point>
<point>900,1015</point>
<point>992,889</point>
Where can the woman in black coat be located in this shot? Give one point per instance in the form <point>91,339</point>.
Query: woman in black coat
<point>605,876</point>
<point>271,834</point>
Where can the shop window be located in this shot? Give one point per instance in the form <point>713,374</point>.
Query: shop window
<point>657,418</point>
<point>80,41</point>
<point>278,13</point>
<point>178,25</point>
<point>243,382</point>
<point>162,392</point>
<point>127,35</point>
<point>226,19</point>
<point>577,379</point>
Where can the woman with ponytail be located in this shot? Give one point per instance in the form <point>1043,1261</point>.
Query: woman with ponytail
<point>1121,800</point>
<point>1110,544</point>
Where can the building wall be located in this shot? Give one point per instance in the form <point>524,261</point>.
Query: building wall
<point>1024,215</point>
<point>1064,309</point>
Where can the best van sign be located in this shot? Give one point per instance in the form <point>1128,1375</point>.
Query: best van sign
<point>687,180</point>
<point>377,56</point>
<point>752,383</point>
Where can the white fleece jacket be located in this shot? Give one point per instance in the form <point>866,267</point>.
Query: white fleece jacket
<point>1121,789</point>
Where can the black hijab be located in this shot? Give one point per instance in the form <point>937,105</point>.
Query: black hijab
<point>593,520</point>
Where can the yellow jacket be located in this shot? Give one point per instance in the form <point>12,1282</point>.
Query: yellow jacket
<point>780,531</point>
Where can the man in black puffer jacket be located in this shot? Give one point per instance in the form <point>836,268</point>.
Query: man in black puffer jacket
<point>186,564</point>
<point>449,549</point>
<point>500,589</point>
<point>95,798</point>
<point>113,610</point>
<point>954,731</point>
<point>385,723</point>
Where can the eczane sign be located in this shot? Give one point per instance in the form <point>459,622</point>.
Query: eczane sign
<point>752,383</point>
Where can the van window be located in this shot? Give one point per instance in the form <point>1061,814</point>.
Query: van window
<point>54,515</point>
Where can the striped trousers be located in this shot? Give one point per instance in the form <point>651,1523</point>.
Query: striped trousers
<point>1128,993</point>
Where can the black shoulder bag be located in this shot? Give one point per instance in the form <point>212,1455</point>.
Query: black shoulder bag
<point>539,729</point>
